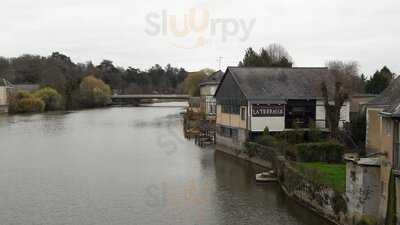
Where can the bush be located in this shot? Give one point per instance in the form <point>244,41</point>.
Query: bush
<point>266,140</point>
<point>94,92</point>
<point>319,152</point>
<point>51,98</point>
<point>291,137</point>
<point>30,105</point>
<point>314,134</point>
<point>250,149</point>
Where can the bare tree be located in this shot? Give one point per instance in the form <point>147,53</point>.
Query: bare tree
<point>277,53</point>
<point>345,73</point>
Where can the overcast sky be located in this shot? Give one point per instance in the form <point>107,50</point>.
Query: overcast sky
<point>131,33</point>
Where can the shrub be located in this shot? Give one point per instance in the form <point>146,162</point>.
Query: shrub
<point>267,140</point>
<point>14,99</point>
<point>250,149</point>
<point>94,92</point>
<point>319,152</point>
<point>50,97</point>
<point>291,137</point>
<point>30,105</point>
<point>314,133</point>
<point>265,131</point>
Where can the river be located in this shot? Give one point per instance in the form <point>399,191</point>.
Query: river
<point>123,166</point>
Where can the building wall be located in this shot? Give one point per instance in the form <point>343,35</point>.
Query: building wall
<point>3,95</point>
<point>208,90</point>
<point>358,103</point>
<point>387,136</point>
<point>373,133</point>
<point>321,114</point>
<point>274,124</point>
<point>231,120</point>
<point>3,99</point>
<point>362,191</point>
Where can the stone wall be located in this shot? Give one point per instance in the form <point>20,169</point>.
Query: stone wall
<point>363,189</point>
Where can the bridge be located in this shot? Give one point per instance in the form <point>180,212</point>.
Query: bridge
<point>136,99</point>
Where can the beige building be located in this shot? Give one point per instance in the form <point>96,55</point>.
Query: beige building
<point>250,99</point>
<point>4,90</point>
<point>358,102</point>
<point>208,88</point>
<point>383,116</point>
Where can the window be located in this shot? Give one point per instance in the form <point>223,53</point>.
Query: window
<point>387,126</point>
<point>230,106</point>
<point>243,114</point>
<point>229,132</point>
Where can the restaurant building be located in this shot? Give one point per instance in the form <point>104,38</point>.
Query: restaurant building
<point>249,99</point>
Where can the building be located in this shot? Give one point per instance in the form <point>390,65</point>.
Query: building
<point>208,88</point>
<point>382,139</point>
<point>24,87</point>
<point>250,99</point>
<point>358,102</point>
<point>5,88</point>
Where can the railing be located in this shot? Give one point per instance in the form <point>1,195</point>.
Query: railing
<point>397,156</point>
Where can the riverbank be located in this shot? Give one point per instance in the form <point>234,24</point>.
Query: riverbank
<point>321,199</point>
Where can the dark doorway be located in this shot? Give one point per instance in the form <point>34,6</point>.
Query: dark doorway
<point>300,113</point>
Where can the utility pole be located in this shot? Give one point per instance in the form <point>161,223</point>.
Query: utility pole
<point>219,60</point>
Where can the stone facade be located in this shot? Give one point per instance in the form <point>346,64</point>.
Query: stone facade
<point>363,189</point>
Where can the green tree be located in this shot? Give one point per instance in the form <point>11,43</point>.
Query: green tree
<point>52,99</point>
<point>379,81</point>
<point>94,92</point>
<point>191,83</point>
<point>274,55</point>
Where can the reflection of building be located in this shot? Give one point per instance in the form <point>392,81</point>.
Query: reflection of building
<point>250,99</point>
<point>383,137</point>
<point>207,92</point>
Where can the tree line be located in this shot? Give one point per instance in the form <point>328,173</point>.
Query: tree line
<point>59,72</point>
<point>275,55</point>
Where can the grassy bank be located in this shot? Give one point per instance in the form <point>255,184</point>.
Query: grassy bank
<point>333,175</point>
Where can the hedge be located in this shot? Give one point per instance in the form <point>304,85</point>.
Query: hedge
<point>319,152</point>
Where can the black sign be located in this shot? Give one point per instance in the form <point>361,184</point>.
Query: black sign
<point>263,110</point>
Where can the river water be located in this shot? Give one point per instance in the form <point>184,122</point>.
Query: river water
<point>123,166</point>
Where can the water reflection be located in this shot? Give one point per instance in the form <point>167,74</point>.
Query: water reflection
<point>127,166</point>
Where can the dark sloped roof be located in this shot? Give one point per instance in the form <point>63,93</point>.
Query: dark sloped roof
<point>214,78</point>
<point>269,83</point>
<point>389,97</point>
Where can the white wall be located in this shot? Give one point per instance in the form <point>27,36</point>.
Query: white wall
<point>320,114</point>
<point>258,124</point>
<point>3,95</point>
